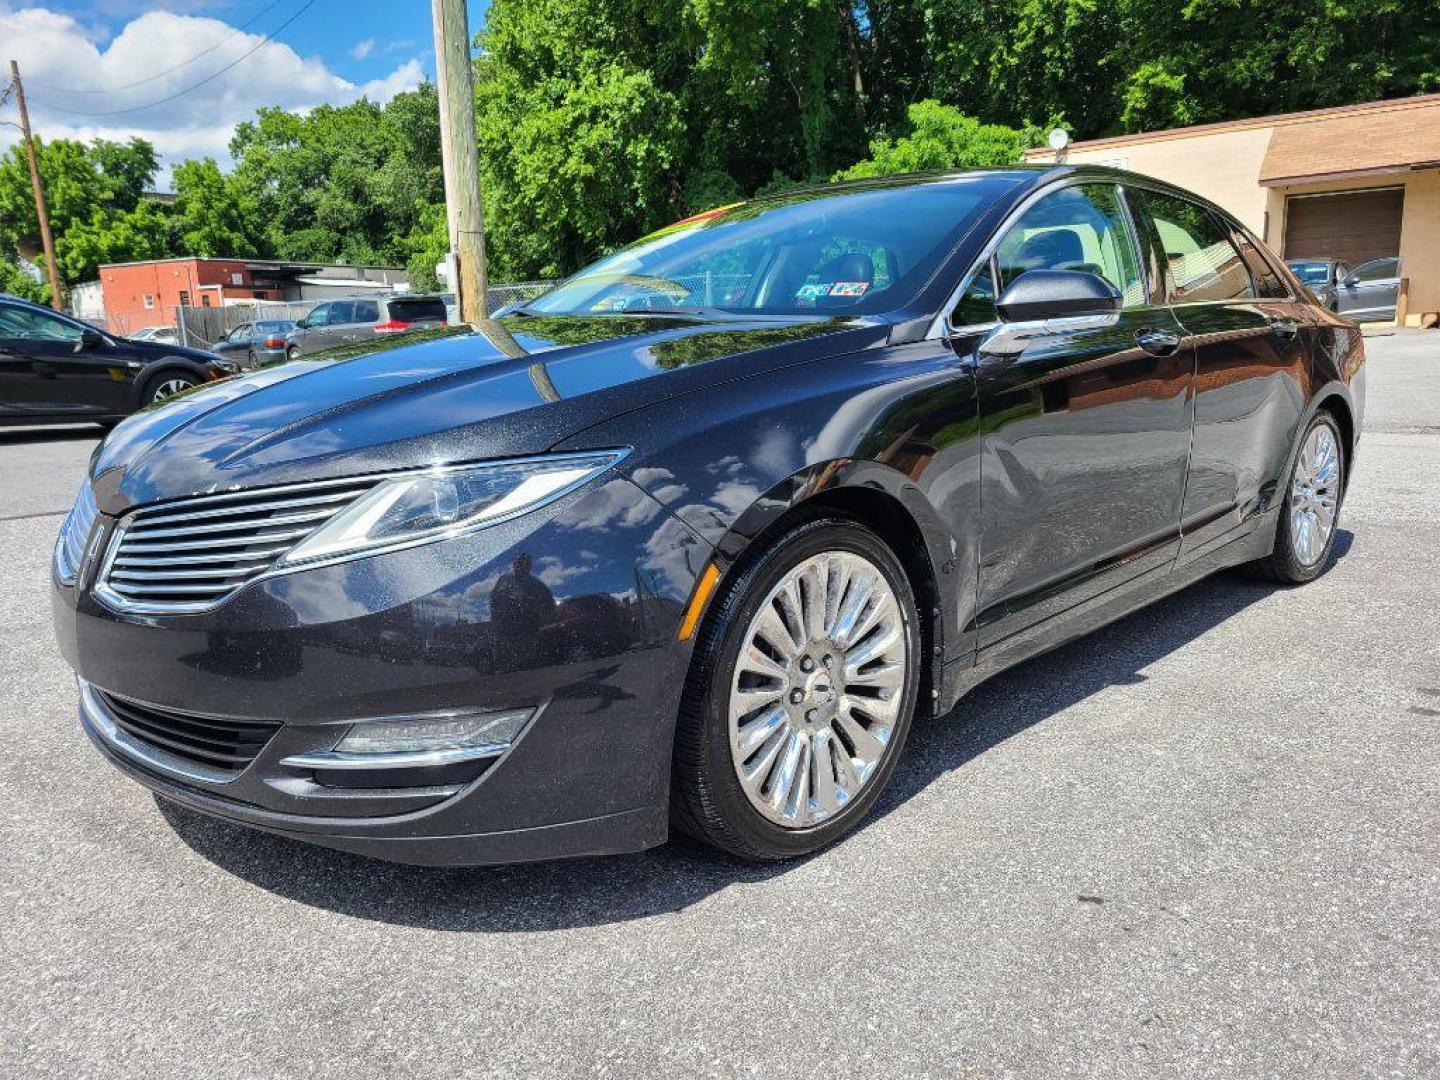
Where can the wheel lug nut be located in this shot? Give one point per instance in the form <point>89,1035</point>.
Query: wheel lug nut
<point>807,664</point>
<point>829,660</point>
<point>797,696</point>
<point>812,715</point>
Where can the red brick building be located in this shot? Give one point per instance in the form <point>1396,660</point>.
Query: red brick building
<point>141,294</point>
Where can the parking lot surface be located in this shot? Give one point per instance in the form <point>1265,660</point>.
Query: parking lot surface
<point>1204,841</point>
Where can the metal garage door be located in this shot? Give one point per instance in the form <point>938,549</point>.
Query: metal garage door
<point>1356,226</point>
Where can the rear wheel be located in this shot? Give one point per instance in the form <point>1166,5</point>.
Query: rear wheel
<point>1305,535</point>
<point>292,353</point>
<point>800,694</point>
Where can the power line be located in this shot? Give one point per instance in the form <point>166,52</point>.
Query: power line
<point>193,86</point>
<point>168,71</point>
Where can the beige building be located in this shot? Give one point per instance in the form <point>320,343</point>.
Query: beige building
<point>1358,182</point>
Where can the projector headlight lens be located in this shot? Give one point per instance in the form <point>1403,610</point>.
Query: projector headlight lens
<point>439,503</point>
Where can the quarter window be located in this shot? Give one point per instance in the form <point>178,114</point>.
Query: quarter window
<point>1267,282</point>
<point>1203,263</point>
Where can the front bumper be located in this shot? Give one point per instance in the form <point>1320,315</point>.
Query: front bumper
<point>420,631</point>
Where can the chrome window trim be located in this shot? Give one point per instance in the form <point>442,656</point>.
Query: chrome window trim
<point>113,600</point>
<point>97,715</point>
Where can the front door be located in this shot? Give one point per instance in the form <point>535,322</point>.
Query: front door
<point>1087,429</point>
<point>1368,294</point>
<point>47,370</point>
<point>1251,367</point>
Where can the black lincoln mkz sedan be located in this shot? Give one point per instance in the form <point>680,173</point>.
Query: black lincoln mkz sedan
<point>691,539</point>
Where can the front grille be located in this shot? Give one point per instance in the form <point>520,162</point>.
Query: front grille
<point>74,531</point>
<point>191,554</point>
<point>224,745</point>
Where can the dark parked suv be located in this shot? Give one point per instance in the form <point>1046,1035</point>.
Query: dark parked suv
<point>55,369</point>
<point>689,541</point>
<point>358,319</point>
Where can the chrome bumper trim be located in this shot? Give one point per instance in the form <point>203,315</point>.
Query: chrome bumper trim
<point>401,759</point>
<point>94,712</point>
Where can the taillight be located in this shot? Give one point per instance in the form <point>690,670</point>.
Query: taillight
<point>274,342</point>
<point>394,326</point>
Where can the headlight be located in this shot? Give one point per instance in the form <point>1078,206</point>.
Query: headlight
<point>436,504</point>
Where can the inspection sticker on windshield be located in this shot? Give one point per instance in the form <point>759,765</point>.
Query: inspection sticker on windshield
<point>849,288</point>
<point>813,291</point>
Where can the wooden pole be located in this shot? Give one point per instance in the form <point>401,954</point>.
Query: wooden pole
<point>461,159</point>
<point>57,301</point>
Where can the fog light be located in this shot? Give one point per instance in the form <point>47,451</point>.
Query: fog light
<point>419,741</point>
<point>495,729</point>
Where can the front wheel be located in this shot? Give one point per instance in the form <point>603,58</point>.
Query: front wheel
<point>167,384</point>
<point>800,694</point>
<point>1305,535</point>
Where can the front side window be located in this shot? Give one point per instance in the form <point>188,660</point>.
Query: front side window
<point>240,333</point>
<point>22,324</point>
<point>1204,264</point>
<point>852,251</point>
<point>319,317</point>
<point>1077,228</point>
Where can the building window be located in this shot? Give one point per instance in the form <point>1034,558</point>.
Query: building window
<point>204,299</point>
<point>261,294</point>
<point>184,298</point>
<point>149,301</point>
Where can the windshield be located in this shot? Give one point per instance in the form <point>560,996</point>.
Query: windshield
<point>830,252</point>
<point>1312,273</point>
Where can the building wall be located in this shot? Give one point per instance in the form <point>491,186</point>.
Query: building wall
<point>170,284</point>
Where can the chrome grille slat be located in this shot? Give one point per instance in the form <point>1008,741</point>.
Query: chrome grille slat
<point>189,555</point>
<point>334,499</point>
<point>74,532</point>
<point>144,532</point>
<point>219,542</point>
<point>146,561</point>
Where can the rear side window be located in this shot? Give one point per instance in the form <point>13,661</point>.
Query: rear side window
<point>418,310</point>
<point>1378,269</point>
<point>1203,263</point>
<point>367,311</point>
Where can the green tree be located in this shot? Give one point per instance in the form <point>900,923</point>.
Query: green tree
<point>943,138</point>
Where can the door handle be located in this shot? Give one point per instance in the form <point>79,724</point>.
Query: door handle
<point>1157,342</point>
<point>1283,327</point>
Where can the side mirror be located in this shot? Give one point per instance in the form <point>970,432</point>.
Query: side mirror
<point>90,339</point>
<point>1038,295</point>
<point>1351,280</point>
<point>302,324</point>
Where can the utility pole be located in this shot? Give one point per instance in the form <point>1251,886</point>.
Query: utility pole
<point>463,212</point>
<point>41,211</point>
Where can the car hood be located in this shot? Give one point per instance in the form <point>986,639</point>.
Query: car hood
<point>513,386</point>
<point>158,350</point>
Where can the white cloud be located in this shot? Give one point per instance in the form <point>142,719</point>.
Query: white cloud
<point>362,49</point>
<point>69,71</point>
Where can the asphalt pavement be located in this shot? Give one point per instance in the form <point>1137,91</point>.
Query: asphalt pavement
<point>1204,842</point>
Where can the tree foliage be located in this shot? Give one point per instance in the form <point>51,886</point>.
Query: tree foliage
<point>943,138</point>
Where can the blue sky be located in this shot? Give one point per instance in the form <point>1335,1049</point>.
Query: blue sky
<point>183,73</point>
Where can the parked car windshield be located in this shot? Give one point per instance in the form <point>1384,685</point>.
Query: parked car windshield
<point>1312,273</point>
<point>828,252</point>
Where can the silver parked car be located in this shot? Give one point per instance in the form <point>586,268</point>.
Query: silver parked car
<point>345,322</point>
<point>1366,293</point>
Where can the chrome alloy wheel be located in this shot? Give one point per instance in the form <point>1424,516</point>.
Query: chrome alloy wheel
<point>170,387</point>
<point>818,688</point>
<point>1314,495</point>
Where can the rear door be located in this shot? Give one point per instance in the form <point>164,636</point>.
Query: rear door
<point>1251,366</point>
<point>1369,293</point>
<point>366,317</point>
<point>1087,428</point>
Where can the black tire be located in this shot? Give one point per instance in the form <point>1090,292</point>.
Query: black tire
<point>707,799</point>
<point>250,362</point>
<point>160,385</point>
<point>292,353</point>
<point>1283,565</point>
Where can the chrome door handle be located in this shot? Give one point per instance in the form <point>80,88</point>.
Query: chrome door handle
<point>1157,342</point>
